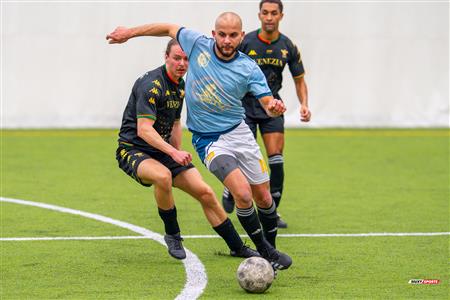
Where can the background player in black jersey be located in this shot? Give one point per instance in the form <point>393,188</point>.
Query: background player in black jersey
<point>272,50</point>
<point>149,151</point>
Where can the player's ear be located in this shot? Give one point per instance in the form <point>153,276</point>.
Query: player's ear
<point>213,32</point>
<point>281,16</point>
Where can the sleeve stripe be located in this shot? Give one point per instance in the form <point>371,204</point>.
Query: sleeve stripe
<point>263,95</point>
<point>146,116</point>
<point>299,76</point>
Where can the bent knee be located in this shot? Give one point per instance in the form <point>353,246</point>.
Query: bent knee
<point>243,196</point>
<point>263,198</point>
<point>163,179</point>
<point>206,196</point>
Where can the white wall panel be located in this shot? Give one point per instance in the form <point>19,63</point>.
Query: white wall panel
<point>368,64</point>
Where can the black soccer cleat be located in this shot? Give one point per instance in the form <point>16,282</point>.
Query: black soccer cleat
<point>245,252</point>
<point>278,260</point>
<point>281,223</point>
<point>174,245</point>
<point>227,201</point>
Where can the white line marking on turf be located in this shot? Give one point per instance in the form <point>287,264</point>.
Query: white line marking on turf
<point>140,237</point>
<point>196,278</point>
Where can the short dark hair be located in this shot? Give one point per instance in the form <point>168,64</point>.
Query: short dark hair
<point>280,4</point>
<point>171,43</point>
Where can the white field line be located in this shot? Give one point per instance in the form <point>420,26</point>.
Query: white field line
<point>289,235</point>
<point>196,278</point>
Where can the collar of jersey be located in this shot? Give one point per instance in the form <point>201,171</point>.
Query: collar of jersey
<point>170,78</point>
<point>267,41</point>
<point>222,60</point>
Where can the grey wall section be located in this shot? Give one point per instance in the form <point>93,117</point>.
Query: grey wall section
<point>368,64</point>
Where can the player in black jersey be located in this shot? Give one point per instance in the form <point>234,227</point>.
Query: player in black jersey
<point>272,51</point>
<point>149,151</point>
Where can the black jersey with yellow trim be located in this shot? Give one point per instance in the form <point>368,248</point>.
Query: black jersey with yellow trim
<point>271,57</point>
<point>154,96</point>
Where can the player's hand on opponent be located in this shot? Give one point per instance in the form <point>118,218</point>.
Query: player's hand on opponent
<point>276,107</point>
<point>305,113</point>
<point>181,157</point>
<point>119,35</point>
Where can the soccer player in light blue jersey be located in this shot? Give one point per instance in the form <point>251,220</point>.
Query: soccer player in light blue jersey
<point>218,79</point>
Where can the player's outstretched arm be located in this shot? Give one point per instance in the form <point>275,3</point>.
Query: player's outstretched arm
<point>122,34</point>
<point>272,106</point>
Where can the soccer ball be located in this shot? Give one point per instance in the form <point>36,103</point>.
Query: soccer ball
<point>255,275</point>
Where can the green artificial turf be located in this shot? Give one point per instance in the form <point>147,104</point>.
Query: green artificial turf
<point>337,181</point>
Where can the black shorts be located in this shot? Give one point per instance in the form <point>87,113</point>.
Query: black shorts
<point>129,159</point>
<point>266,125</point>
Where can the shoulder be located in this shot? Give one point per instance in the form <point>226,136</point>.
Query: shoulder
<point>185,34</point>
<point>287,41</point>
<point>246,63</point>
<point>245,59</point>
<point>251,35</point>
<point>250,38</point>
<point>151,82</point>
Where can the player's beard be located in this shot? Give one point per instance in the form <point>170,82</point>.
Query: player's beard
<point>228,55</point>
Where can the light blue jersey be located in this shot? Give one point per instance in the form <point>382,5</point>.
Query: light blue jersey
<point>214,87</point>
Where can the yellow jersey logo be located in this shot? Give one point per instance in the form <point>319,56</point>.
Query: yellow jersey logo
<point>284,53</point>
<point>269,51</point>
<point>203,59</point>
<point>181,94</point>
<point>210,96</point>
<point>252,52</point>
<point>154,91</point>
<point>167,93</point>
<point>157,83</point>
<point>173,104</point>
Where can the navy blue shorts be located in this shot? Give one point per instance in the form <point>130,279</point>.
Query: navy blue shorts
<point>266,125</point>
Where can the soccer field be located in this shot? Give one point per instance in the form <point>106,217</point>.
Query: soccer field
<point>344,182</point>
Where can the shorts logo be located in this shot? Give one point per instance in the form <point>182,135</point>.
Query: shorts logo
<point>203,59</point>
<point>181,93</point>
<point>263,166</point>
<point>123,153</point>
<point>151,100</point>
<point>210,156</point>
